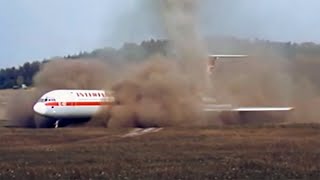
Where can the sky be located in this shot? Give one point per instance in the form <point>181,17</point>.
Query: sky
<point>37,29</point>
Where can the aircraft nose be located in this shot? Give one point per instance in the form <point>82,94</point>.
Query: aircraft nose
<point>39,108</point>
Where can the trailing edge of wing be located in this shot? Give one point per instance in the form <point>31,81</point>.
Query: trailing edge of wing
<point>250,109</point>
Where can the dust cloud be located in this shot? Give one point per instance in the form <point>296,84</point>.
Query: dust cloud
<point>19,109</point>
<point>157,95</point>
<point>162,91</point>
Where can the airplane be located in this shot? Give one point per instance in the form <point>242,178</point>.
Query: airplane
<point>72,104</point>
<point>79,105</point>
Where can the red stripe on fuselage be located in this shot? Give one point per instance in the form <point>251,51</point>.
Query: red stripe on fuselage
<point>84,103</point>
<point>52,104</point>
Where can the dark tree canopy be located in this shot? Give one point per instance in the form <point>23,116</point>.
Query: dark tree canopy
<point>11,77</point>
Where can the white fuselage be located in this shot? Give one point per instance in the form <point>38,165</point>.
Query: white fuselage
<point>61,104</point>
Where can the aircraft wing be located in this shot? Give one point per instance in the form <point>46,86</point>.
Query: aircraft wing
<point>248,109</point>
<point>220,108</point>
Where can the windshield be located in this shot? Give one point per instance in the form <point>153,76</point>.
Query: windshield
<point>46,99</point>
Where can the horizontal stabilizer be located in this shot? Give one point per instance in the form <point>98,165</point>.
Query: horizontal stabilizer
<point>227,56</point>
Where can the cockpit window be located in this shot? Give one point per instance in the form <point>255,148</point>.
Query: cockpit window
<point>46,99</point>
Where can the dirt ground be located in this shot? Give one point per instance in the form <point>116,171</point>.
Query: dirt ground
<point>265,152</point>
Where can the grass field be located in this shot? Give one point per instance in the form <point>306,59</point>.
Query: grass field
<point>270,152</point>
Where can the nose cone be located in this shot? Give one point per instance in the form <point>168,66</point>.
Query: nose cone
<point>40,108</point>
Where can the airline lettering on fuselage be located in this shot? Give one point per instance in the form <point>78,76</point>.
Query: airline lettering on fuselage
<point>90,94</point>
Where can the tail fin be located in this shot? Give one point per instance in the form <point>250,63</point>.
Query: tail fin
<point>214,57</point>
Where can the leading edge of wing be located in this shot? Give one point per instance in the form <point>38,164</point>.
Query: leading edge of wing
<point>250,109</point>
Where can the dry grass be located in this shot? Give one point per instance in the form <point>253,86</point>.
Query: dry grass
<point>266,152</point>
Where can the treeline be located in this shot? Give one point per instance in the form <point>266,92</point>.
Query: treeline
<point>11,77</point>
<point>16,77</point>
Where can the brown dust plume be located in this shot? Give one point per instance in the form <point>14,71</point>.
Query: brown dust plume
<point>166,91</point>
<point>158,94</point>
